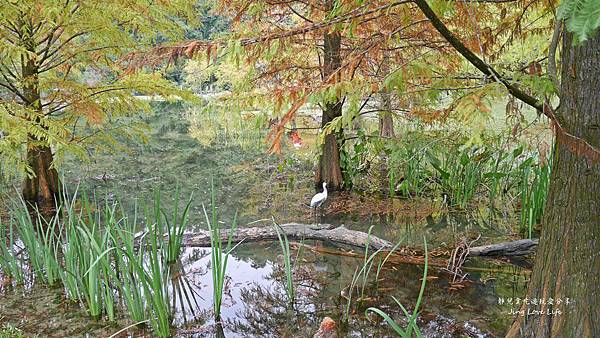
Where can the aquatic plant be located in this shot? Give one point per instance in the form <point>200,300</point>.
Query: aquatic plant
<point>361,274</point>
<point>219,255</point>
<point>71,248</point>
<point>92,250</point>
<point>368,262</point>
<point>95,262</point>
<point>287,261</point>
<point>9,264</point>
<point>155,283</point>
<point>460,173</point>
<point>382,262</point>
<point>27,234</point>
<point>411,317</point>
<point>173,225</point>
<point>535,181</point>
<point>127,261</point>
<point>409,173</point>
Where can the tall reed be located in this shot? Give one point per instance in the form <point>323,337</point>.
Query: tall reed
<point>287,261</point>
<point>219,255</point>
<point>10,265</point>
<point>535,181</point>
<point>362,272</point>
<point>92,250</point>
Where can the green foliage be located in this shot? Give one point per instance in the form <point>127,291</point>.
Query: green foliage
<point>474,110</point>
<point>355,157</point>
<point>461,173</point>
<point>443,163</point>
<point>64,68</point>
<point>534,193</point>
<point>582,17</point>
<point>409,173</point>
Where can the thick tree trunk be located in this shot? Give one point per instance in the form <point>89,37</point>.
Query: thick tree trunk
<point>567,266</point>
<point>329,169</point>
<point>42,187</point>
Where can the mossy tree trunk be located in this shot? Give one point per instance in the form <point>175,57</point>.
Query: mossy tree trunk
<point>567,265</point>
<point>329,169</point>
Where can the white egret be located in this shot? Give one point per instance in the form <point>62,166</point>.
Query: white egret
<point>319,198</point>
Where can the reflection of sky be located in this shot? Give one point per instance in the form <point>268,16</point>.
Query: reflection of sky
<point>241,273</point>
<point>256,263</point>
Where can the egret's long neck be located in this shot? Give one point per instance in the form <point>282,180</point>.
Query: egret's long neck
<point>325,189</point>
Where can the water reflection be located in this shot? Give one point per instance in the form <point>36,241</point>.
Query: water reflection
<point>256,304</point>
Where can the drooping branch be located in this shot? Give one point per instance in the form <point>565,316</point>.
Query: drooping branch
<point>169,54</point>
<point>474,59</point>
<point>577,145</point>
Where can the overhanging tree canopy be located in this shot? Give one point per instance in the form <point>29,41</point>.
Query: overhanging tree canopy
<point>62,78</point>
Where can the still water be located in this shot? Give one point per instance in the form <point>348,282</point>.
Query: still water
<point>258,187</point>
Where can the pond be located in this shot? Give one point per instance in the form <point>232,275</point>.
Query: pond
<point>260,188</point>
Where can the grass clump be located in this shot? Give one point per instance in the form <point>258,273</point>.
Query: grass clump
<point>9,331</point>
<point>92,250</point>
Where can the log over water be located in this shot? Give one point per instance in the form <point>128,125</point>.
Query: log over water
<point>297,231</point>
<point>522,247</point>
<point>343,235</point>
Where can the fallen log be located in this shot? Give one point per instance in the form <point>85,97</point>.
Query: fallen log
<point>296,231</point>
<point>343,235</point>
<point>522,247</point>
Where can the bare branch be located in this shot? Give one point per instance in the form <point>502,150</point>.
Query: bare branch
<point>552,54</point>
